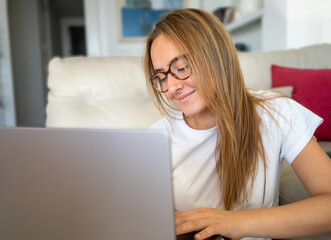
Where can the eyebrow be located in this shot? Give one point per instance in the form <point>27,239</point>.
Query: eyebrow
<point>158,70</point>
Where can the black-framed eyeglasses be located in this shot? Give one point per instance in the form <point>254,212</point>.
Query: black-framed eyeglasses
<point>179,68</point>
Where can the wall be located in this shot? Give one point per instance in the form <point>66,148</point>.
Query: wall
<point>103,37</point>
<point>285,24</point>
<point>212,5</point>
<point>7,103</point>
<point>26,44</point>
<point>101,21</point>
<point>308,22</point>
<point>295,23</point>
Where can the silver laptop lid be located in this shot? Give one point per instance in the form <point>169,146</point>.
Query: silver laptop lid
<point>85,184</point>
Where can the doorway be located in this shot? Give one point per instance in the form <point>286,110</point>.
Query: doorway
<point>35,38</point>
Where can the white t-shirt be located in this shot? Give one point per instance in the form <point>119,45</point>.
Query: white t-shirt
<point>195,180</point>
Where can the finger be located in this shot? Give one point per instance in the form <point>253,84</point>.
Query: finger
<point>187,227</point>
<point>208,232</point>
<point>192,225</point>
<point>190,215</point>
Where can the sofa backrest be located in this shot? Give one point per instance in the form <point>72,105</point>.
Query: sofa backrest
<point>101,92</point>
<point>110,92</point>
<point>256,66</point>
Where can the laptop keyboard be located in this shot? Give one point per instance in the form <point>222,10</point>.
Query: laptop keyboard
<point>190,236</point>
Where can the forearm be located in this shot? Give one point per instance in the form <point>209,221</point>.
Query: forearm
<point>304,218</point>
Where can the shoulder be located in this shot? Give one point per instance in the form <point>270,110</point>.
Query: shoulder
<point>290,121</point>
<point>168,122</point>
<point>277,106</point>
<point>160,124</point>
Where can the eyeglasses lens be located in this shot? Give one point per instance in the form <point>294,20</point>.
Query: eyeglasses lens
<point>179,69</point>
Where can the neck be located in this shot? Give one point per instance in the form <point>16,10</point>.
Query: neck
<point>201,121</point>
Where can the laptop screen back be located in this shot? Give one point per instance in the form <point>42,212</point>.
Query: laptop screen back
<point>85,184</point>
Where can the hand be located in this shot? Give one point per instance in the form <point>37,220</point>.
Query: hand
<point>209,222</point>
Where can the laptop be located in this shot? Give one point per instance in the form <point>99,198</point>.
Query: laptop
<point>85,184</point>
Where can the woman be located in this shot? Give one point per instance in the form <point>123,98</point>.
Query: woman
<point>228,142</point>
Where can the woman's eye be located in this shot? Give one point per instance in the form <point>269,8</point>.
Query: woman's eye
<point>182,68</point>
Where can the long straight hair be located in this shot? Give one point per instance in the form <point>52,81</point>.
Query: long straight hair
<point>219,80</point>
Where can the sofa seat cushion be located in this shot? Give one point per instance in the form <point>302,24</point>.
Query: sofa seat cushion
<point>137,114</point>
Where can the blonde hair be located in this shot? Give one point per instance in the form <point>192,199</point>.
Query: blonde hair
<point>219,80</point>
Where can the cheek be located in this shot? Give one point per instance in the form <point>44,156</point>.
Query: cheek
<point>190,81</point>
<point>168,95</point>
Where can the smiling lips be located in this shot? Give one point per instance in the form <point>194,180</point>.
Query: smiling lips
<point>185,97</point>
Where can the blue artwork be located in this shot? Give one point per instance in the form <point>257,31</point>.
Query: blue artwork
<point>139,21</point>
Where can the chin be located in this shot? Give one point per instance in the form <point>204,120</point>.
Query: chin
<point>194,111</point>
<point>194,107</point>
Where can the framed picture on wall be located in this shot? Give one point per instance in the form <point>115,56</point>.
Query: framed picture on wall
<point>138,17</point>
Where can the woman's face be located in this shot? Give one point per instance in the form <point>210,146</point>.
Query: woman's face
<point>182,93</point>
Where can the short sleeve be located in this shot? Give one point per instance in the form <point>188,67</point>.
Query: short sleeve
<point>162,124</point>
<point>158,125</point>
<point>297,126</point>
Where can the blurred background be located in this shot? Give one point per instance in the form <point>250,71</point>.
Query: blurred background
<point>34,31</point>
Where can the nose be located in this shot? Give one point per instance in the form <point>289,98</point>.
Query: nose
<point>174,84</point>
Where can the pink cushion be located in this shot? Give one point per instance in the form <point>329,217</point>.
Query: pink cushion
<point>312,89</point>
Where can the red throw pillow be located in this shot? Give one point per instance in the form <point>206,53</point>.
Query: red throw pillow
<point>312,89</point>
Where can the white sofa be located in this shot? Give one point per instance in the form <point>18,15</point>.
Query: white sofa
<point>110,92</point>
